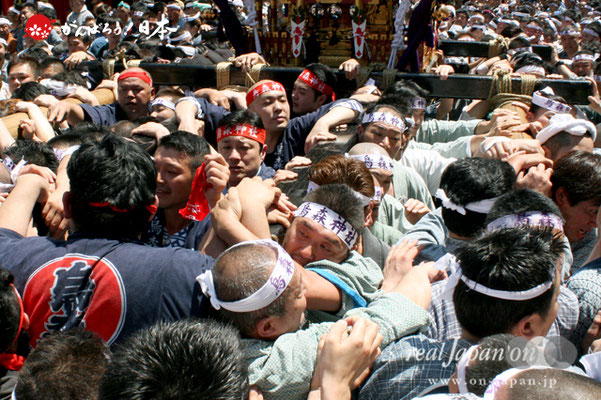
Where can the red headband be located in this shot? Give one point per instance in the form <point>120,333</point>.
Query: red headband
<point>244,130</point>
<point>11,361</point>
<point>151,208</point>
<point>265,87</point>
<point>312,80</point>
<point>136,74</point>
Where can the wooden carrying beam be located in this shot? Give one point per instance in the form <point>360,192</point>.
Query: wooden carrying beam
<point>12,121</point>
<point>459,48</point>
<point>459,86</point>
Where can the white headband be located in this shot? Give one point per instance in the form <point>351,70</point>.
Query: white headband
<point>480,207</point>
<point>3,41</point>
<point>511,52</point>
<point>267,294</point>
<point>549,104</point>
<point>505,377</point>
<point>584,57</point>
<point>14,10</point>
<point>565,122</point>
<point>530,218</point>
<point>481,27</point>
<point>363,199</point>
<point>509,21</point>
<point>528,69</point>
<point>163,102</point>
<point>14,169</point>
<point>329,220</point>
<point>418,103</point>
<point>521,295</point>
<point>520,14</point>
<point>384,118</point>
<point>534,26</point>
<point>377,193</point>
<point>374,161</point>
<point>58,88</point>
<point>5,21</point>
<point>174,6</point>
<point>590,32</point>
<point>461,367</point>
<point>189,51</point>
<point>138,13</point>
<point>183,36</point>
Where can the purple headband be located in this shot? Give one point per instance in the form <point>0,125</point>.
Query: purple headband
<point>329,220</point>
<point>267,294</point>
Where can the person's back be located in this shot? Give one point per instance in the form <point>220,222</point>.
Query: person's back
<point>101,277</point>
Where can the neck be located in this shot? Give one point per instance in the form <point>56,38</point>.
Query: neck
<point>174,222</point>
<point>456,236</point>
<point>272,139</point>
<point>469,337</point>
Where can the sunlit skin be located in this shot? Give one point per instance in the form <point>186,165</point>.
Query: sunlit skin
<point>18,75</point>
<point>133,95</point>
<point>304,99</point>
<point>243,155</point>
<point>307,241</point>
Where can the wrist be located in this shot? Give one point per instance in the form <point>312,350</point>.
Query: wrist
<point>333,388</point>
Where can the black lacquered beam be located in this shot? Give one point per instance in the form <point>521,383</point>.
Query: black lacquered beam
<point>460,86</point>
<point>459,48</point>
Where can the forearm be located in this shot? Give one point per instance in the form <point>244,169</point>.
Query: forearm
<point>75,115</point>
<point>337,116</point>
<point>16,210</point>
<point>229,228</point>
<point>6,139</point>
<point>43,129</point>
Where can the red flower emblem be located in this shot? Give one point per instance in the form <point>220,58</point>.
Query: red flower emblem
<point>38,27</point>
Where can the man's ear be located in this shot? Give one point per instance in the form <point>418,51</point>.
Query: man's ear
<point>67,204</point>
<point>528,326</point>
<point>529,117</point>
<point>321,99</point>
<point>263,152</point>
<point>267,328</point>
<point>561,197</point>
<point>369,220</point>
<point>548,153</point>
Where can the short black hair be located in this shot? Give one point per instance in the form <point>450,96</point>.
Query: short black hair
<point>65,365</point>
<point>116,172</point>
<point>579,173</point>
<point>521,201</point>
<point>33,153</point>
<point>492,357</point>
<point>469,180</point>
<point>193,146</point>
<point>181,360</point>
<point>511,259</point>
<point>28,91</point>
<point>10,311</point>
<point>241,117</point>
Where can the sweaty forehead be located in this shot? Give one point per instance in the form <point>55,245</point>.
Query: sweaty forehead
<point>132,81</point>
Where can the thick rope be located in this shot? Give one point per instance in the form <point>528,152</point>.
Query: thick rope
<point>501,85</point>
<point>222,70</point>
<point>254,75</point>
<point>497,46</point>
<point>388,77</point>
<point>108,66</point>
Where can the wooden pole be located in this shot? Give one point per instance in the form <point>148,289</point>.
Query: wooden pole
<point>12,122</point>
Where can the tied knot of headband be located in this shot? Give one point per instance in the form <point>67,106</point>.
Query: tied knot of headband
<point>384,118</point>
<point>566,123</point>
<point>275,285</point>
<point>244,130</point>
<point>312,80</point>
<point>263,88</point>
<point>330,220</point>
<point>145,76</point>
<point>481,207</point>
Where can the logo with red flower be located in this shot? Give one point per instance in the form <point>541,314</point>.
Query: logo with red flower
<point>38,27</point>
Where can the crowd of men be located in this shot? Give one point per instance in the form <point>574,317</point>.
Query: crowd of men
<point>451,252</point>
